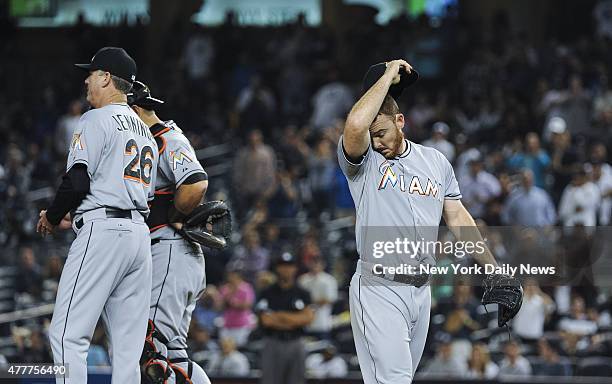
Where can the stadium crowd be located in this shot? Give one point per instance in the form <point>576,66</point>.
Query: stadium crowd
<point>527,126</point>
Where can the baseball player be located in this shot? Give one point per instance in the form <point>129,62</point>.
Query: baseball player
<point>110,174</point>
<point>401,187</point>
<point>178,264</point>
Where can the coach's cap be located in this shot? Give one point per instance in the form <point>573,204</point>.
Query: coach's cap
<point>140,95</point>
<point>114,60</point>
<point>286,258</point>
<point>376,71</point>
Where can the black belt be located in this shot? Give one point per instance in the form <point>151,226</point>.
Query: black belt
<point>417,280</point>
<point>111,213</point>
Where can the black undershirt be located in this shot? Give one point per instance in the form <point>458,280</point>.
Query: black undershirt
<point>70,194</point>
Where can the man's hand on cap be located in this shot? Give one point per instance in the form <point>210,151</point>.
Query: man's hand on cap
<point>394,68</point>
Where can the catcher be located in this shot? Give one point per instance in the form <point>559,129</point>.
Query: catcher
<point>179,224</point>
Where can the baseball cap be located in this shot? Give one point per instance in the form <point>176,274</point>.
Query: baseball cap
<point>441,127</point>
<point>140,95</point>
<point>376,71</point>
<point>557,125</point>
<point>114,60</point>
<point>286,258</point>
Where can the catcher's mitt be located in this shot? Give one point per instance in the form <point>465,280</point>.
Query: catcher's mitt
<point>210,224</point>
<point>506,292</point>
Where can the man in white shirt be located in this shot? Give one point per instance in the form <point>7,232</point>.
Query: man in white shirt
<point>478,187</point>
<point>439,142</point>
<point>603,180</point>
<point>229,361</point>
<point>323,289</point>
<point>580,201</point>
<point>529,321</point>
<point>326,364</point>
<point>513,364</point>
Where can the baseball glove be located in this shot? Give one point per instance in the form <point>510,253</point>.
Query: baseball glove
<point>210,224</point>
<point>506,292</point>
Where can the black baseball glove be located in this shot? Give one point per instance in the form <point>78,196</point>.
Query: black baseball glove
<point>506,292</point>
<point>210,224</point>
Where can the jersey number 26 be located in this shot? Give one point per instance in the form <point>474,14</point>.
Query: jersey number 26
<point>140,167</point>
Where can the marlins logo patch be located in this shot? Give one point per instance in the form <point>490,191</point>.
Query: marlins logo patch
<point>179,158</point>
<point>76,142</point>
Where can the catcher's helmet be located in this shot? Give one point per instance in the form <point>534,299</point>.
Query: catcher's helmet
<point>140,95</point>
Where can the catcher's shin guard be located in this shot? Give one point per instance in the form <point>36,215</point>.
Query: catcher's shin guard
<point>154,366</point>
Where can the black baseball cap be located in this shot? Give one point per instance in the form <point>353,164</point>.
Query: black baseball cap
<point>140,95</point>
<point>114,60</point>
<point>376,71</point>
<point>286,258</point>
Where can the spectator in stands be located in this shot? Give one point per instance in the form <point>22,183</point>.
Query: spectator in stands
<point>250,256</point>
<point>201,347</point>
<point>198,57</point>
<point>563,155</point>
<point>238,298</point>
<point>578,322</point>
<point>66,126</point>
<point>256,106</point>
<point>282,196</point>
<point>254,171</point>
<point>529,205</point>
<point>32,347</point>
<point>537,306</point>
<point>208,309</point>
<point>323,289</point>
<point>580,201</point>
<point>513,363</point>
<point>444,363</point>
<point>53,271</point>
<point>461,311</point>
<point>29,277</point>
<point>604,184</point>
<point>478,188</point>
<point>438,140</point>
<point>229,361</point>
<point>550,364</point>
<point>330,102</point>
<point>321,173</point>
<point>533,157</point>
<point>480,365</point>
<point>326,364</point>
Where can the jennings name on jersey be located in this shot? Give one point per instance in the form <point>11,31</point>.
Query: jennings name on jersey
<point>121,156</point>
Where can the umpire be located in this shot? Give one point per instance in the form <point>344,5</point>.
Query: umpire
<point>284,310</point>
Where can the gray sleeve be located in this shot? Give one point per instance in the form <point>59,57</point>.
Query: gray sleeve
<point>352,170</point>
<point>451,187</point>
<point>87,145</point>
<point>182,160</point>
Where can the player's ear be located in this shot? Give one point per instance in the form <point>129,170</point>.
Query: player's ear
<point>399,121</point>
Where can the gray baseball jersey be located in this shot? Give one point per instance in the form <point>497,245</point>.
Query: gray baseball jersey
<point>178,265</point>
<point>120,154</point>
<point>177,162</point>
<point>394,198</point>
<point>108,270</point>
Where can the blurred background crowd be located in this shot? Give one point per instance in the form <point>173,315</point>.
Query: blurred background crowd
<point>525,121</point>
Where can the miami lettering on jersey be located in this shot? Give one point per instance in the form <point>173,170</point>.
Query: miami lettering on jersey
<point>179,158</point>
<point>431,188</point>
